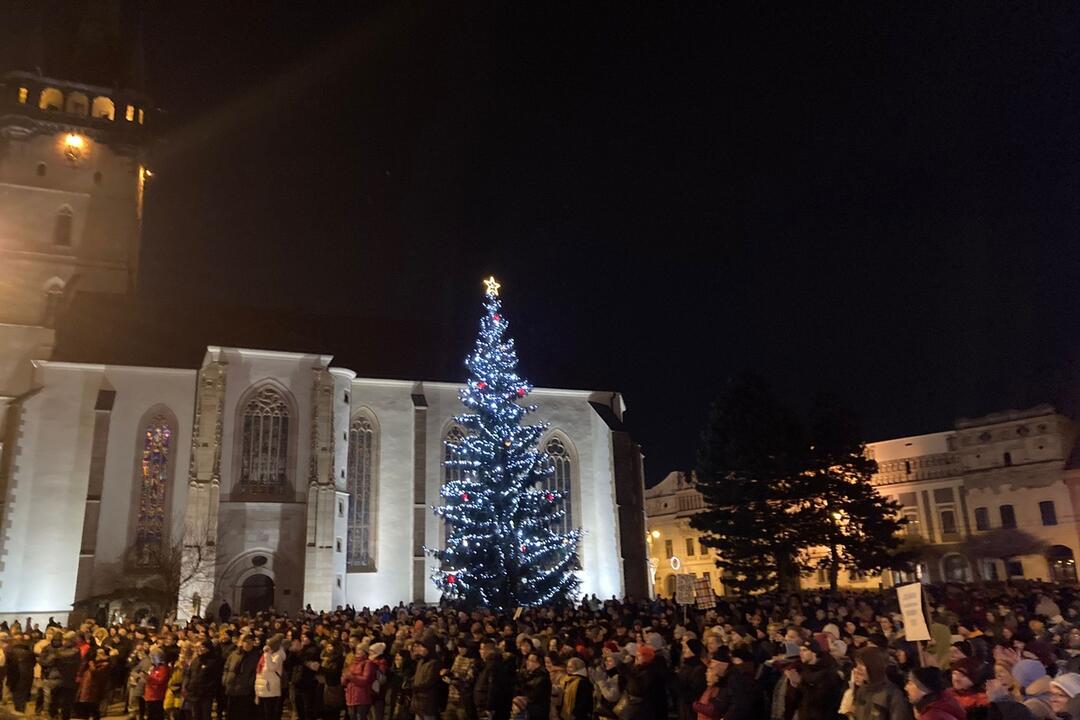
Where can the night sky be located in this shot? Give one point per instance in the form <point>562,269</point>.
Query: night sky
<point>878,200</point>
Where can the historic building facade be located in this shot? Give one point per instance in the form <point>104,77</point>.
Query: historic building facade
<point>265,478</point>
<point>1013,469</point>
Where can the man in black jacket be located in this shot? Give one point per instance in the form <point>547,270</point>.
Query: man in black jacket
<point>535,689</point>
<point>239,679</point>
<point>493,691</point>
<point>204,678</point>
<point>20,674</point>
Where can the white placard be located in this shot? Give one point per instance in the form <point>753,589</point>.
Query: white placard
<point>910,599</point>
<point>684,589</point>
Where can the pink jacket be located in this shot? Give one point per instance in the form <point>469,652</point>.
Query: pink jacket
<point>358,682</point>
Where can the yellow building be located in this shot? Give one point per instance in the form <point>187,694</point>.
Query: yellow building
<point>1013,469</point>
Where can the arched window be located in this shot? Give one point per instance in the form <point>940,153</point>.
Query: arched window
<point>77,104</point>
<point>65,220</point>
<point>361,485</point>
<point>103,108</point>
<point>51,99</point>
<point>264,446</point>
<point>450,474</point>
<point>153,480</point>
<point>560,481</point>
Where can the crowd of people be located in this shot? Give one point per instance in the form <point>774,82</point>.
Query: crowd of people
<point>1009,652</point>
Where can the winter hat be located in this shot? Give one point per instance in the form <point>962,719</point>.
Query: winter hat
<point>1068,683</point>
<point>929,680</point>
<point>646,653</point>
<point>971,667</point>
<point>1028,671</point>
<point>576,666</point>
<point>376,650</point>
<point>694,645</point>
<point>742,652</point>
<point>832,629</point>
<point>1043,652</point>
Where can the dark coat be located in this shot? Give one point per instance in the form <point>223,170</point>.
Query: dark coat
<point>583,698</point>
<point>493,691</point>
<point>61,665</point>
<point>239,676</point>
<point>20,667</point>
<point>204,677</point>
<point>821,690</point>
<point>689,685</point>
<point>425,687</point>
<point>94,682</point>
<point>537,690</point>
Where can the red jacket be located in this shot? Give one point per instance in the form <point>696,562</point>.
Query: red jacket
<point>157,681</point>
<point>944,707</point>
<point>358,682</point>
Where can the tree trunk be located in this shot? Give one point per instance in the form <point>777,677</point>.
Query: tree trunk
<point>834,568</point>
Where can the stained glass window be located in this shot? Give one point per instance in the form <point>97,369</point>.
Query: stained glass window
<point>559,481</point>
<point>361,485</point>
<point>264,449</point>
<point>153,480</point>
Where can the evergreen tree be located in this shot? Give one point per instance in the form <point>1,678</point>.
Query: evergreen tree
<point>504,549</point>
<point>859,527</point>
<point>750,474</point>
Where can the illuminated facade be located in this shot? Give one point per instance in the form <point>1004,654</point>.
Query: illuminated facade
<point>1012,469</point>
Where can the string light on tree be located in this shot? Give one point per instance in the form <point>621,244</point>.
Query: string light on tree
<point>503,547</point>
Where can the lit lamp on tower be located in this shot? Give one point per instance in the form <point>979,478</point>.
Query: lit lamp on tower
<point>75,146</point>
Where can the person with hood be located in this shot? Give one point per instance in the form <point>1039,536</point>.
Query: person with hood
<point>358,680</point>
<point>646,683</point>
<point>425,684</point>
<point>926,692</point>
<point>1065,696</point>
<point>690,678</point>
<point>738,699</point>
<point>331,668</point>
<point>268,673</point>
<point>1034,686</point>
<point>239,679</point>
<point>820,685</point>
<point>577,702</point>
<point>876,698</point>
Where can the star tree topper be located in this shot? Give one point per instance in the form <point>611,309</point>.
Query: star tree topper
<point>492,286</point>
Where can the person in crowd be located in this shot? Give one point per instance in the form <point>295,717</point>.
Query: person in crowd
<point>426,679</point>
<point>238,679</point>
<point>20,671</point>
<point>204,677</point>
<point>875,696</point>
<point>690,677</point>
<point>269,671</point>
<point>534,692</point>
<point>577,702</point>
<point>93,685</point>
<point>929,697</point>
<point>157,684</point>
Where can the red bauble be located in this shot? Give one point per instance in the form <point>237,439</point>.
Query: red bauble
<point>522,548</point>
<point>465,496</point>
<point>521,392</point>
<point>497,317</point>
<point>481,384</point>
<point>549,497</point>
<point>451,579</point>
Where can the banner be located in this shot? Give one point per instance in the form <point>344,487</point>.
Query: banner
<point>911,607</point>
<point>684,589</point>
<point>704,599</point>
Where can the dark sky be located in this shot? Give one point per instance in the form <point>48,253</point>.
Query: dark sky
<point>878,200</point>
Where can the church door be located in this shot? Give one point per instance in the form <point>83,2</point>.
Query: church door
<point>257,593</point>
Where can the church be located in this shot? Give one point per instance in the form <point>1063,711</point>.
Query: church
<point>259,477</point>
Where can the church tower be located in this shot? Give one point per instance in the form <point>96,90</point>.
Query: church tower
<point>73,131</point>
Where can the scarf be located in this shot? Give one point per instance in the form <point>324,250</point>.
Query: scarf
<point>570,696</point>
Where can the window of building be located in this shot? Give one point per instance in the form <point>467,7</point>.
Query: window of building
<point>822,576</point>
<point>361,483</point>
<point>560,481</point>
<point>264,449</point>
<point>982,518</point>
<point>1049,514</point>
<point>65,220</point>
<point>1008,516</point>
<point>857,576</point>
<point>51,99</point>
<point>1014,568</point>
<point>153,471</point>
<point>337,545</point>
<point>948,522</point>
<point>1008,459</point>
<point>907,467</point>
<point>669,549</point>
<point>77,104</point>
<point>689,546</point>
<point>129,113</point>
<point>103,108</point>
<point>451,472</point>
<point>42,169</point>
<point>141,116</point>
<point>912,528</point>
<point>24,93</point>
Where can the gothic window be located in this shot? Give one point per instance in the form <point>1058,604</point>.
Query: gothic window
<point>62,229</point>
<point>77,104</point>
<point>103,108</point>
<point>451,474</point>
<point>51,99</point>
<point>560,481</point>
<point>361,480</point>
<point>153,479</point>
<point>264,449</point>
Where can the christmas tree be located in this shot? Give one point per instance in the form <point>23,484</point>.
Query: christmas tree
<point>503,549</point>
